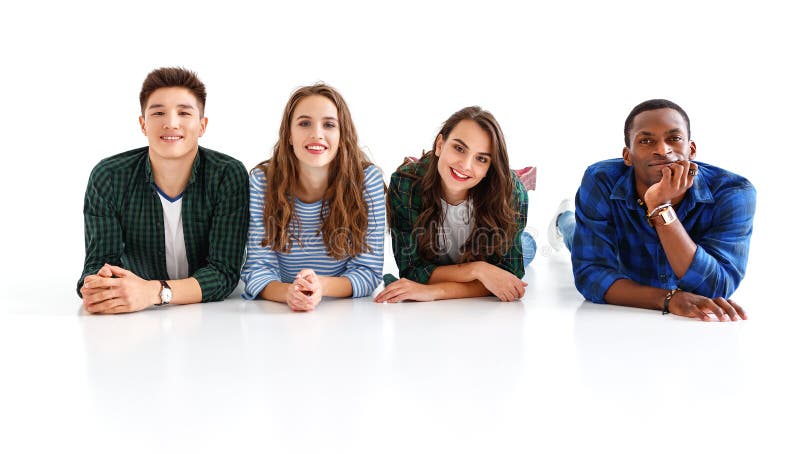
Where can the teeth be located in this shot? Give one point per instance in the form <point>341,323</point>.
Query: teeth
<point>170,137</point>
<point>459,174</point>
<point>315,147</point>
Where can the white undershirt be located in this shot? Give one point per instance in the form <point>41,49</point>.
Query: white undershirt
<point>456,227</point>
<point>175,247</point>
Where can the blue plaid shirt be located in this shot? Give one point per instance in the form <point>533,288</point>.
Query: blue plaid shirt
<point>614,241</point>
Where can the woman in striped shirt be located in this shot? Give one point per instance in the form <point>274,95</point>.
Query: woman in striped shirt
<point>317,208</point>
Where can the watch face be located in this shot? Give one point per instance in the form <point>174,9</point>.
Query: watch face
<point>166,295</point>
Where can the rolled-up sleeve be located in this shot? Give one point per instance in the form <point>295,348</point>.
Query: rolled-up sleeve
<point>404,244</point>
<point>512,260</point>
<point>102,228</point>
<point>227,235</point>
<point>721,258</point>
<point>261,266</point>
<point>365,270</point>
<point>594,251</point>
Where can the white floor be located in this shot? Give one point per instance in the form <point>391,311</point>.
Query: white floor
<point>548,374</point>
<point>551,372</point>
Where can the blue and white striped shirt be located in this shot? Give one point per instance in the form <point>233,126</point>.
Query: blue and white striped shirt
<point>264,265</point>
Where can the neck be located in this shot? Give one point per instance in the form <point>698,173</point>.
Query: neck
<point>454,198</point>
<point>172,175</point>
<point>312,184</point>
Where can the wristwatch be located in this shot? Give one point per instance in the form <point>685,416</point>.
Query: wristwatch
<point>166,294</point>
<point>662,216</point>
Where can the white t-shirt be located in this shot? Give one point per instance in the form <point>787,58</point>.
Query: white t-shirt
<point>456,227</point>
<point>175,247</point>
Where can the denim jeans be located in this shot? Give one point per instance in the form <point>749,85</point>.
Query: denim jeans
<point>528,248</point>
<point>566,227</point>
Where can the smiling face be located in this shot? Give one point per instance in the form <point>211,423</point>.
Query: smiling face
<point>315,132</point>
<point>173,122</point>
<point>658,137</point>
<point>465,157</point>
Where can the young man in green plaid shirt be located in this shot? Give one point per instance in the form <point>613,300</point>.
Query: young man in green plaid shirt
<point>166,223</point>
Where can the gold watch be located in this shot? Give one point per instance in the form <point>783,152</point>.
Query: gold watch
<point>662,216</point>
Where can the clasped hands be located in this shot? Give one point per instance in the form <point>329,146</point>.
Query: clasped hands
<point>115,290</point>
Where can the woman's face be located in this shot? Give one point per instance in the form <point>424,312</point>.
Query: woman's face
<point>464,159</point>
<point>314,132</point>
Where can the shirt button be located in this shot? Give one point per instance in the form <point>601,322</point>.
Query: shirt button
<point>663,278</point>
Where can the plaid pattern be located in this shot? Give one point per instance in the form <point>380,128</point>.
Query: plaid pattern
<point>124,220</point>
<point>614,241</point>
<point>405,200</point>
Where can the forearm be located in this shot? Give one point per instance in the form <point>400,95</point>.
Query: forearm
<point>275,291</point>
<point>184,291</point>
<point>454,290</point>
<point>337,287</point>
<point>678,246</point>
<point>625,292</point>
<point>462,272</point>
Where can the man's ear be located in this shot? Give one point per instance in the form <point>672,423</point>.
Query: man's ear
<point>141,125</point>
<point>693,151</point>
<point>626,156</point>
<point>203,124</point>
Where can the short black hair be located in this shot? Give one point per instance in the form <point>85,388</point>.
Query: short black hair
<point>653,104</point>
<point>173,77</point>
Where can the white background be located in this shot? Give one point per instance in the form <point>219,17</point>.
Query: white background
<point>560,77</point>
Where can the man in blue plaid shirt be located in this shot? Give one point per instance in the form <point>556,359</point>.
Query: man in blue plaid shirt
<point>657,229</point>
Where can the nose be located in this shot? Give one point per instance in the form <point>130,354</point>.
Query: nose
<point>466,162</point>
<point>171,121</point>
<point>316,133</point>
<point>662,148</point>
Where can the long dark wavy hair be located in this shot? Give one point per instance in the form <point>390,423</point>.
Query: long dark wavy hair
<point>493,199</point>
<point>344,228</point>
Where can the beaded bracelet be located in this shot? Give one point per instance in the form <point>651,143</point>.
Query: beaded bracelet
<point>667,298</point>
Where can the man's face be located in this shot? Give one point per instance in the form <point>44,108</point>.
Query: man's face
<point>173,123</point>
<point>657,137</point>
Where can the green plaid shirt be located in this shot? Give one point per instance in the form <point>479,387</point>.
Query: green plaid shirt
<point>405,200</point>
<point>124,220</point>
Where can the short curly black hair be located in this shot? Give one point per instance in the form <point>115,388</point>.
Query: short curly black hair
<point>653,104</point>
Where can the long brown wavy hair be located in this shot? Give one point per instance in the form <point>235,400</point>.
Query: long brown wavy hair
<point>344,227</point>
<point>493,199</point>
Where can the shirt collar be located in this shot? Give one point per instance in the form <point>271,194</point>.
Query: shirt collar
<point>625,190</point>
<point>148,168</point>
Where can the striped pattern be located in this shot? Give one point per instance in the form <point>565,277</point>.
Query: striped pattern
<point>124,220</point>
<point>614,241</point>
<point>264,265</point>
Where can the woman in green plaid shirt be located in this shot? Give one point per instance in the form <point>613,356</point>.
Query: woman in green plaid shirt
<point>458,216</point>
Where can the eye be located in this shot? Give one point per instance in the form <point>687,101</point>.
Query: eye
<point>185,114</point>
<point>483,159</point>
<point>646,141</point>
<point>330,125</point>
<point>459,148</point>
<point>155,114</point>
<point>304,123</point>
<point>676,139</point>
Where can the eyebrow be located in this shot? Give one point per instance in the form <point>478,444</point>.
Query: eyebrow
<point>671,131</point>
<point>180,106</point>
<point>309,117</point>
<point>464,144</point>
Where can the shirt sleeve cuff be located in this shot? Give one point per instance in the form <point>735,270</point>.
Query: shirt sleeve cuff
<point>601,281</point>
<point>363,285</point>
<point>702,266</point>
<point>256,282</point>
